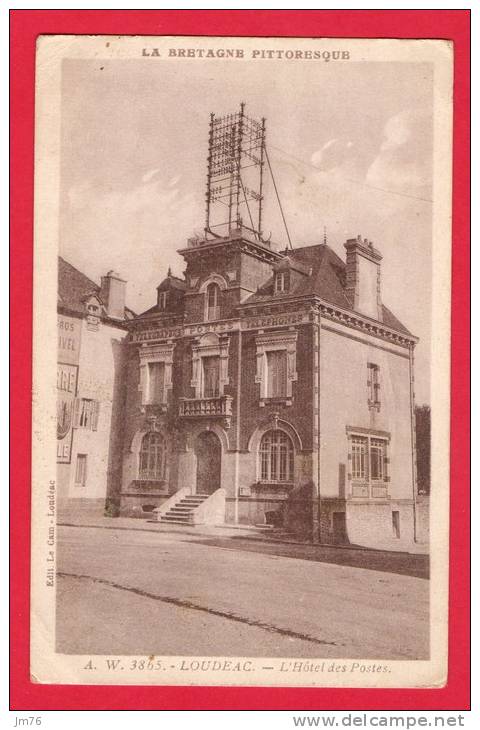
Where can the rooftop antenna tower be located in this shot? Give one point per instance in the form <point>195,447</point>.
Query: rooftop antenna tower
<point>236,160</point>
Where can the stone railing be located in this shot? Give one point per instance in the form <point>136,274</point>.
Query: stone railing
<point>206,407</point>
<point>211,511</point>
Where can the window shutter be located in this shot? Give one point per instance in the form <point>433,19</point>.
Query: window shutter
<point>282,373</point>
<point>277,373</point>
<point>76,412</point>
<point>95,412</point>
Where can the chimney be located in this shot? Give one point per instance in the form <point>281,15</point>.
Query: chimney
<point>112,294</point>
<point>363,277</point>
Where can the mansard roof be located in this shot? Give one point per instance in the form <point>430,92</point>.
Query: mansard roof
<point>318,270</point>
<point>74,288</point>
<point>327,280</point>
<point>171,282</point>
<point>327,277</point>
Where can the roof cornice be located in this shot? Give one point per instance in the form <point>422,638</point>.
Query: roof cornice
<point>245,244</point>
<point>347,317</point>
<point>361,322</point>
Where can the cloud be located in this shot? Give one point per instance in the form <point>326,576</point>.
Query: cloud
<point>145,224</point>
<point>150,174</point>
<point>174,181</point>
<point>333,154</point>
<point>403,160</point>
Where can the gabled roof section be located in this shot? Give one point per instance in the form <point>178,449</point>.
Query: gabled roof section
<point>327,277</point>
<point>391,321</point>
<point>74,288</point>
<point>327,280</point>
<point>289,262</point>
<point>176,288</point>
<point>172,282</point>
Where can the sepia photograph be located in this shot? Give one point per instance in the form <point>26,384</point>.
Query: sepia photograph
<point>241,378</point>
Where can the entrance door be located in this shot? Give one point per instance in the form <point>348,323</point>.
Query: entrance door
<point>208,451</point>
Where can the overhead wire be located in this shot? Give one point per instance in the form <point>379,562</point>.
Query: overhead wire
<point>350,180</point>
<point>278,198</point>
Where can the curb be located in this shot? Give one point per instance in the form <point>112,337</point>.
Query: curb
<point>249,538</point>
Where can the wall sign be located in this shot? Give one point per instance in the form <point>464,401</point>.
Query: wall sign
<point>69,335</point>
<point>67,376</point>
<point>230,325</point>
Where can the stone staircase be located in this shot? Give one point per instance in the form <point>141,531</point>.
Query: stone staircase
<point>181,513</point>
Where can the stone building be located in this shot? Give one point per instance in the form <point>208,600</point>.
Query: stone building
<point>92,326</point>
<point>272,387</point>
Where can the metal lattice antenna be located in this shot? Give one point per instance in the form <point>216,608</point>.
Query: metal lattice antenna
<point>236,148</point>
<point>324,235</point>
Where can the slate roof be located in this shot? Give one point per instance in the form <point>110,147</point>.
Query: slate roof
<point>179,286</point>
<point>172,282</point>
<point>318,271</point>
<point>73,287</point>
<point>327,280</point>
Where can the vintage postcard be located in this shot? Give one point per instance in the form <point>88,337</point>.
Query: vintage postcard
<point>241,361</point>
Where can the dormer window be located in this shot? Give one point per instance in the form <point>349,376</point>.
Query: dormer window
<point>93,311</point>
<point>280,282</point>
<point>162,300</point>
<point>213,302</point>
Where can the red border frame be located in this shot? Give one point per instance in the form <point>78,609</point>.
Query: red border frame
<point>26,25</point>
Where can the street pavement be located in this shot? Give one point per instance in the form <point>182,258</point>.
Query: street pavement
<point>141,592</point>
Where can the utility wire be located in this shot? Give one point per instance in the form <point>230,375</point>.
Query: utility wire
<point>246,200</point>
<point>355,182</point>
<point>278,198</point>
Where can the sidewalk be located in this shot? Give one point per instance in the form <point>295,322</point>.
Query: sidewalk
<point>268,541</point>
<point>134,523</point>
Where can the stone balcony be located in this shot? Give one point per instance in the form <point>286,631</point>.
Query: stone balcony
<point>220,407</point>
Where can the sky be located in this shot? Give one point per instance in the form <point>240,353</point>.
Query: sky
<point>350,146</point>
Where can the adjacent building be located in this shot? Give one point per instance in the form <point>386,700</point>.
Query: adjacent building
<point>92,326</point>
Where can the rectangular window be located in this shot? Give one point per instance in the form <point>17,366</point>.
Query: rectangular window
<point>359,460</point>
<point>377,459</point>
<point>211,376</point>
<point>86,413</point>
<point>396,523</point>
<point>277,374</point>
<point>81,470</point>
<point>156,382</point>
<point>280,282</point>
<point>162,300</point>
<point>373,384</point>
<point>369,466</point>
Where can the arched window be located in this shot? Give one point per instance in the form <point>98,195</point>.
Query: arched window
<point>276,457</point>
<point>152,456</point>
<point>213,301</point>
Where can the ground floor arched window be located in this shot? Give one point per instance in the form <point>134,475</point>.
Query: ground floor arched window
<point>276,457</point>
<point>152,456</point>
